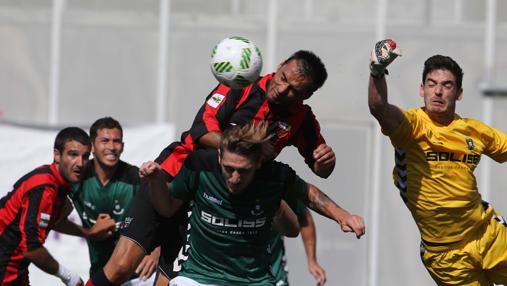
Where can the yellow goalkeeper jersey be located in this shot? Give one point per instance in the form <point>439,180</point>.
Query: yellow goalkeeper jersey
<point>434,167</point>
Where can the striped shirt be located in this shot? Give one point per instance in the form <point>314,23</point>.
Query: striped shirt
<point>294,125</point>
<point>27,213</point>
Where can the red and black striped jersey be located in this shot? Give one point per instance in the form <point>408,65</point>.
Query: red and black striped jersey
<point>27,213</point>
<point>294,125</point>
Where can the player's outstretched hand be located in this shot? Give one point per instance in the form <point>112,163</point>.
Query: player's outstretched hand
<point>149,169</point>
<point>103,227</point>
<point>318,272</point>
<point>383,54</point>
<point>354,223</point>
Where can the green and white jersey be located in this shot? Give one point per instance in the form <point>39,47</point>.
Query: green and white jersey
<point>278,259</point>
<point>91,198</point>
<point>230,233</point>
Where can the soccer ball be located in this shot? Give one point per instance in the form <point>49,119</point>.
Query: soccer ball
<point>236,62</point>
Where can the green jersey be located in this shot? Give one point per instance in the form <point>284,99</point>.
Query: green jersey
<point>230,233</point>
<point>91,198</point>
<point>278,260</point>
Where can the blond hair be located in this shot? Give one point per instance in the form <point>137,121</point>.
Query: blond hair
<point>251,140</point>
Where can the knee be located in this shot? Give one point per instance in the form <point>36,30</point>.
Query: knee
<point>123,261</point>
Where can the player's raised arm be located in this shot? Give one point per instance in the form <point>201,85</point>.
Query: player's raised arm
<point>163,202</point>
<point>389,116</point>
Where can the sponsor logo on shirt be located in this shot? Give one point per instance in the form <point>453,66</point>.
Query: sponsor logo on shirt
<point>212,199</point>
<point>126,223</point>
<point>232,223</point>
<point>44,220</point>
<point>215,100</point>
<point>453,157</point>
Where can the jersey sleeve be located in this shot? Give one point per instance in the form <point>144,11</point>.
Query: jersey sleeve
<point>185,183</point>
<point>309,137</point>
<point>297,206</point>
<point>495,143</point>
<point>400,138</point>
<point>38,208</point>
<point>219,106</point>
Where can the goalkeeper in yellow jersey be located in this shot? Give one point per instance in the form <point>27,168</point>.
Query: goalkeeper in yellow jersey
<point>463,239</point>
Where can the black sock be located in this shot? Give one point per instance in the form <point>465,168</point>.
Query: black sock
<point>99,279</point>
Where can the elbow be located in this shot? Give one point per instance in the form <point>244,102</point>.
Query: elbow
<point>292,232</point>
<point>324,172</point>
<point>377,110</point>
<point>325,175</point>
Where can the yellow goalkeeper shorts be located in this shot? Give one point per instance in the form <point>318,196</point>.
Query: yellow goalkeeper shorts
<point>480,261</point>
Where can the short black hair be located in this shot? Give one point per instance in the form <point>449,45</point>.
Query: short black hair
<point>104,123</point>
<point>439,62</point>
<point>71,134</point>
<point>310,65</point>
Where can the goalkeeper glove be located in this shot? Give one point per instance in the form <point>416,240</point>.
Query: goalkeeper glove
<point>382,55</point>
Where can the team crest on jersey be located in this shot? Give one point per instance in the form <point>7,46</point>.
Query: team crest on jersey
<point>470,144</point>
<point>44,220</point>
<point>118,210</point>
<point>257,211</point>
<point>215,100</point>
<point>429,134</point>
<point>283,130</point>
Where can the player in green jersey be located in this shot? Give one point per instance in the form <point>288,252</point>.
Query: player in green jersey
<point>105,193</point>
<point>236,193</point>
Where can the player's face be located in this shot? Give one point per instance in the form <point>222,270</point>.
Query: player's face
<point>288,85</point>
<point>238,171</point>
<point>107,147</point>
<point>440,92</point>
<point>71,160</point>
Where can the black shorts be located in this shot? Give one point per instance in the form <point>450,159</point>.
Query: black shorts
<point>146,227</point>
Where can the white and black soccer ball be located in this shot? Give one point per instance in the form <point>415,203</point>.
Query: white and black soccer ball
<point>236,62</point>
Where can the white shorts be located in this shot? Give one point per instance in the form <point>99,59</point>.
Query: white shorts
<point>138,282</point>
<point>184,281</point>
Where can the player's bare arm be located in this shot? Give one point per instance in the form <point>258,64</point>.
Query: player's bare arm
<point>102,229</point>
<point>309,237</point>
<point>389,116</point>
<point>210,140</point>
<point>322,204</point>
<point>325,160</point>
<point>45,261</point>
<point>286,221</point>
<point>163,202</point>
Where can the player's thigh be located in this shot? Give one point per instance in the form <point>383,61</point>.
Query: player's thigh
<point>142,221</point>
<point>139,282</point>
<point>126,256</point>
<point>455,267</point>
<point>495,254</point>
<point>161,280</point>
